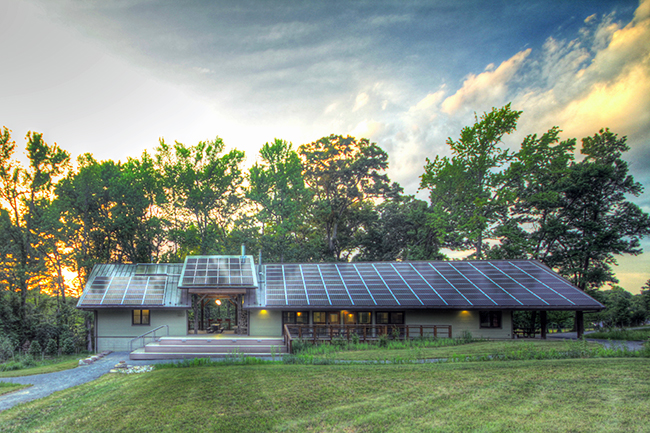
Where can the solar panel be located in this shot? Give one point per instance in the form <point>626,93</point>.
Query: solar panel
<point>135,290</point>
<point>484,284</point>
<point>218,271</point>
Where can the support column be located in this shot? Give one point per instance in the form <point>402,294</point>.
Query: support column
<point>202,325</point>
<point>580,324</point>
<point>544,321</point>
<point>196,313</point>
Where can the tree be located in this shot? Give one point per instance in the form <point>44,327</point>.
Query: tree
<point>277,187</point>
<point>203,193</point>
<point>343,173</point>
<point>466,190</point>
<point>533,178</point>
<point>401,229</point>
<point>26,193</point>
<point>597,220</point>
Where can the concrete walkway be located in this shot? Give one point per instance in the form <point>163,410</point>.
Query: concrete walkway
<point>45,384</point>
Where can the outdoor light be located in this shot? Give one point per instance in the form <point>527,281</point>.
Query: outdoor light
<point>218,301</point>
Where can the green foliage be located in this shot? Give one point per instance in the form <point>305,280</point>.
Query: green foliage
<point>277,188</point>
<point>35,349</point>
<point>68,346</point>
<point>400,229</point>
<point>343,174</point>
<point>51,349</point>
<point>466,190</point>
<point>202,187</point>
<point>622,334</point>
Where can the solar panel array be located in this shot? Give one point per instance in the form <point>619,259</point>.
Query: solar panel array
<point>457,284</point>
<point>218,271</point>
<point>125,290</point>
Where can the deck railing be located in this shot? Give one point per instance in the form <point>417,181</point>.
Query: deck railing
<point>144,336</point>
<point>362,333</point>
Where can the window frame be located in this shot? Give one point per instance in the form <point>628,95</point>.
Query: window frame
<point>294,318</point>
<point>391,317</point>
<point>491,315</point>
<point>140,317</point>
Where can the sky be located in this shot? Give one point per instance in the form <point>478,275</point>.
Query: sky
<point>112,78</point>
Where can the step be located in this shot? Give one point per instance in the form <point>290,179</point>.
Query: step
<point>140,354</point>
<point>204,348</point>
<point>220,341</point>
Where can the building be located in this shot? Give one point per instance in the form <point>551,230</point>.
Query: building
<point>410,298</point>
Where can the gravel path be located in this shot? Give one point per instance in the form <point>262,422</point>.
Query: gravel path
<point>631,345</point>
<point>45,384</point>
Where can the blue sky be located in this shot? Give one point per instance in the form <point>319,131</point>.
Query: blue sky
<point>111,78</point>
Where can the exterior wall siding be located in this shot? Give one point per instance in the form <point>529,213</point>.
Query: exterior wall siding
<point>114,328</point>
<point>268,323</point>
<point>265,323</point>
<point>460,321</point>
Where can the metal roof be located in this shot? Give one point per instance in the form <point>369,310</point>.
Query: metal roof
<point>489,284</point>
<point>134,285</point>
<point>214,272</point>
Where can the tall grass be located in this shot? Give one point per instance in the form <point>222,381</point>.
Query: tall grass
<point>622,334</point>
<point>321,355</point>
<point>233,359</point>
<point>306,347</point>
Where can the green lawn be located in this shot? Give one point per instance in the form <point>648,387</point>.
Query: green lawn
<point>6,387</point>
<point>605,395</point>
<point>64,362</point>
<point>469,349</point>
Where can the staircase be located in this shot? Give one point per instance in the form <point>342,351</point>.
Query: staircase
<point>210,347</point>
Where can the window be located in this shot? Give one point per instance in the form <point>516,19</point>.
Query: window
<point>349,318</point>
<point>320,317</point>
<point>389,317</point>
<point>334,318</point>
<point>140,317</point>
<point>295,317</point>
<point>365,317</point>
<point>490,319</point>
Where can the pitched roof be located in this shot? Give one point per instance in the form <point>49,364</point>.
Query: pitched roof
<point>512,284</point>
<point>489,284</point>
<point>133,286</point>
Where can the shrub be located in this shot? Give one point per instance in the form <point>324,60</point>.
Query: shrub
<point>339,342</point>
<point>68,346</point>
<point>298,346</point>
<point>35,349</point>
<point>11,366</point>
<point>7,348</point>
<point>51,349</point>
<point>466,337</point>
<point>383,340</point>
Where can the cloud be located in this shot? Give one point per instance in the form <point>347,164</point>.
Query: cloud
<point>360,101</point>
<point>487,88</point>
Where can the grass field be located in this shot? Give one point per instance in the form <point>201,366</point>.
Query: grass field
<point>605,395</point>
<point>60,363</point>
<point>10,387</point>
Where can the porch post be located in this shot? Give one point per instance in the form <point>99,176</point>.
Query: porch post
<point>196,313</point>
<point>543,320</point>
<point>202,325</point>
<point>580,324</point>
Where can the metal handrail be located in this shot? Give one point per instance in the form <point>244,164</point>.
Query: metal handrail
<point>143,336</point>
